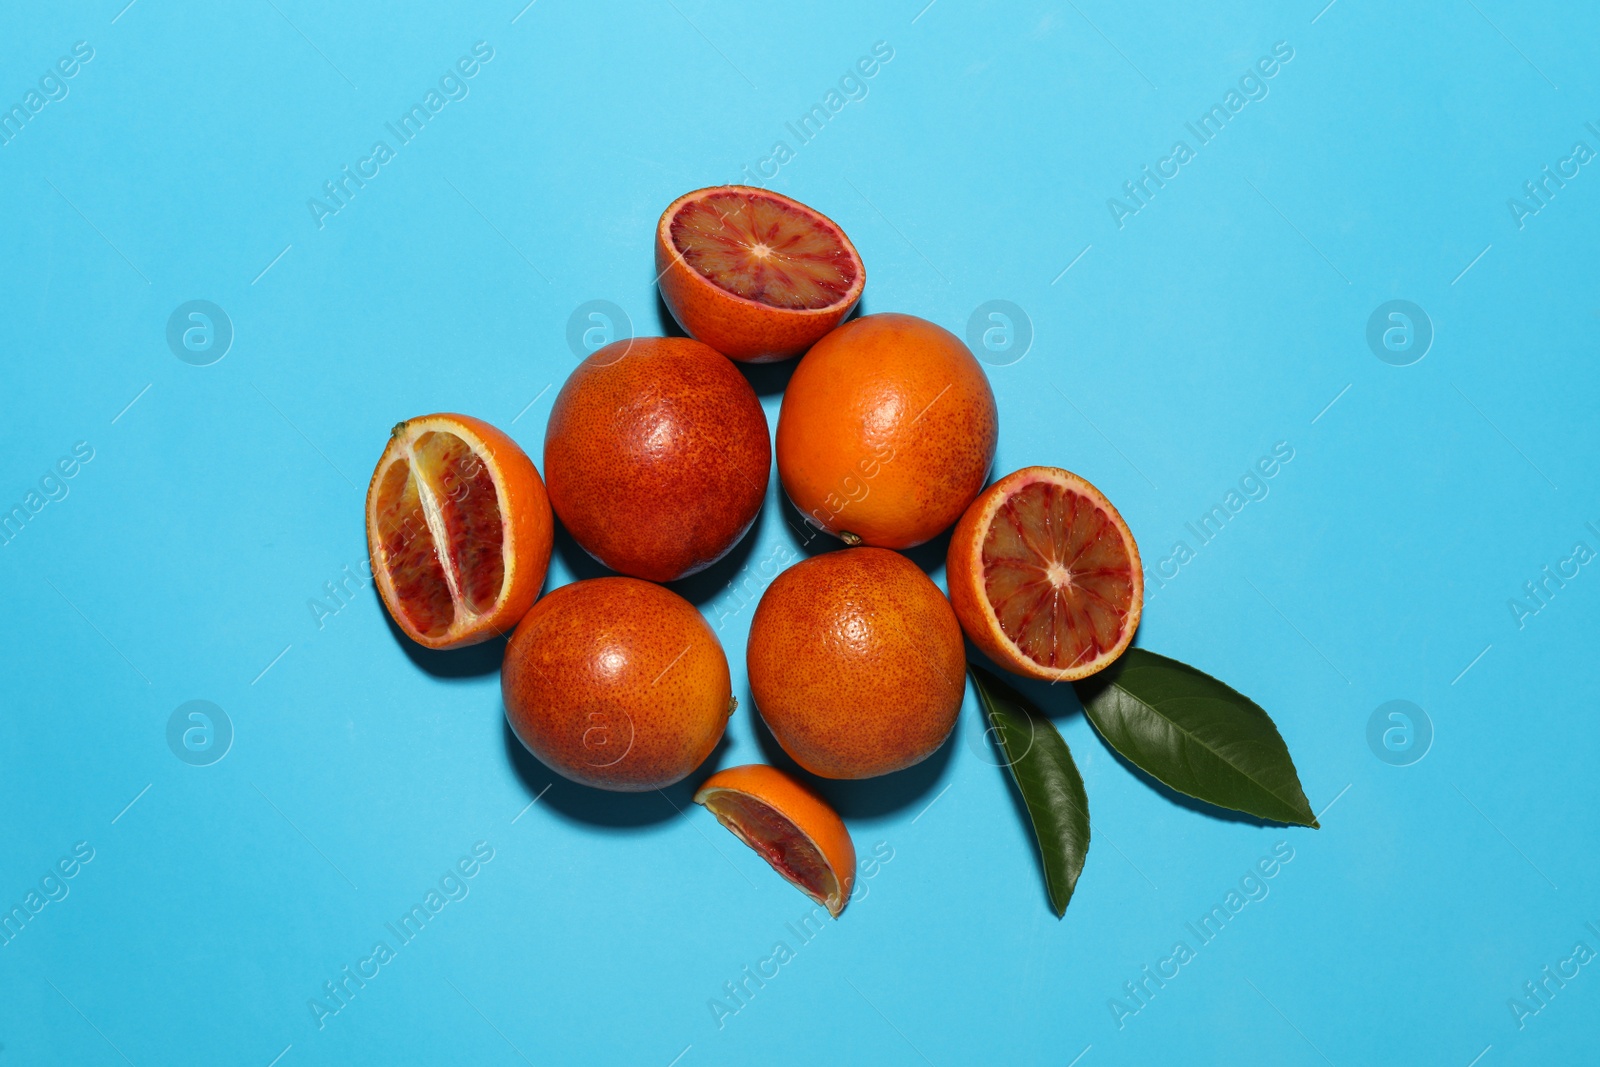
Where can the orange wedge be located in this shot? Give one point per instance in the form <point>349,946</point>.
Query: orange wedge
<point>790,826</point>
<point>458,528</point>
<point>1044,575</point>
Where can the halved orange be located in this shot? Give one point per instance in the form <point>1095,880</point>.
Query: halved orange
<point>790,826</point>
<point>754,274</point>
<point>1045,575</point>
<point>458,528</point>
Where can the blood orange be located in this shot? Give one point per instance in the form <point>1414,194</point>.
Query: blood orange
<point>1045,575</point>
<point>790,826</point>
<point>887,431</point>
<point>458,529</point>
<point>754,274</point>
<point>658,456</point>
<point>856,663</point>
<point>617,683</point>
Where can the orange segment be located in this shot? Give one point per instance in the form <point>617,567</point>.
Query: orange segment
<point>1045,576</point>
<point>792,828</point>
<point>756,275</point>
<point>758,247</point>
<point>421,587</point>
<point>459,530</point>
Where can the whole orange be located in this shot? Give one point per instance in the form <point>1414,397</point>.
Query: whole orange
<point>856,663</point>
<point>617,683</point>
<point>887,431</point>
<point>656,456</point>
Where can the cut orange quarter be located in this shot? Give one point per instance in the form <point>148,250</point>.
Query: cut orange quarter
<point>754,274</point>
<point>458,529</point>
<point>1045,576</point>
<point>790,826</point>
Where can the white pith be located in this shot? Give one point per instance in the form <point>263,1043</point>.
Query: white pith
<point>433,516</point>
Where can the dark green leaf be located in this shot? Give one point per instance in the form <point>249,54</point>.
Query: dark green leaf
<point>1195,734</point>
<point>1051,787</point>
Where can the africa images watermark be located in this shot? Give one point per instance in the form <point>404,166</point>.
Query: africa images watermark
<point>1540,590</point>
<point>851,88</point>
<point>746,587</point>
<point>53,487</point>
<point>339,192</point>
<point>341,593</point>
<point>1253,486</point>
<point>1252,86</point>
<point>52,888</point>
<point>453,885</point>
<point>454,485</point>
<point>1538,192</point>
<point>738,992</point>
<point>52,88</point>
<point>1252,888</point>
<point>1537,993</point>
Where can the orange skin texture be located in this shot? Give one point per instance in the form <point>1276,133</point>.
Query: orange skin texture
<point>528,533</point>
<point>887,431</point>
<point>964,575</point>
<point>617,683</point>
<point>657,456</point>
<point>809,814</point>
<point>856,663</point>
<point>741,329</point>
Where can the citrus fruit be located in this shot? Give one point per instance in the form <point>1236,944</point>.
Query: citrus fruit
<point>657,456</point>
<point>617,683</point>
<point>856,663</point>
<point>458,530</point>
<point>754,274</point>
<point>1045,575</point>
<point>790,826</point>
<point>887,430</point>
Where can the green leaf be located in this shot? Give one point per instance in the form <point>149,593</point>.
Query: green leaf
<point>1196,735</point>
<point>1051,787</point>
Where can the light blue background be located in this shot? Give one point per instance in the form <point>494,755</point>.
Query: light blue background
<point>1224,317</point>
